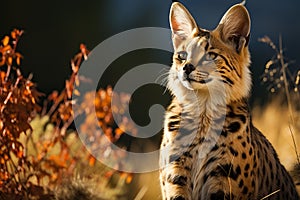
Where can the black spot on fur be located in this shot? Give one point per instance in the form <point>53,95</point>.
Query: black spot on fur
<point>244,155</point>
<point>177,198</point>
<point>255,164</point>
<point>244,144</point>
<point>174,157</point>
<point>245,190</point>
<point>238,170</point>
<point>230,113</point>
<point>250,151</point>
<point>233,151</point>
<point>234,127</point>
<point>247,166</point>
<point>242,118</point>
<point>187,154</point>
<point>226,170</point>
<point>224,133</point>
<point>219,195</point>
<point>264,169</point>
<point>177,180</point>
<point>253,183</point>
<point>174,117</point>
<point>206,46</point>
<point>271,165</point>
<point>173,125</point>
<point>216,147</point>
<point>241,183</point>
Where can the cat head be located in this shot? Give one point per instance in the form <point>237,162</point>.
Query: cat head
<point>211,64</point>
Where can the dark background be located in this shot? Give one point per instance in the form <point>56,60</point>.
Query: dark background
<point>55,29</point>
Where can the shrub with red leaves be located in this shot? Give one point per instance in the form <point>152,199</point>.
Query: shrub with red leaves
<point>38,148</point>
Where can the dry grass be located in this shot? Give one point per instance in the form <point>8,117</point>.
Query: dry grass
<point>150,181</point>
<point>273,121</point>
<point>281,117</point>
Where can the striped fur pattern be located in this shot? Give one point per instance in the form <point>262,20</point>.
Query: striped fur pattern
<point>210,149</point>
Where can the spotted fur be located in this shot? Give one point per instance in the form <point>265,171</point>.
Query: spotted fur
<point>210,149</point>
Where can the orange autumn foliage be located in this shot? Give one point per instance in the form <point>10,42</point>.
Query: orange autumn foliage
<point>34,166</point>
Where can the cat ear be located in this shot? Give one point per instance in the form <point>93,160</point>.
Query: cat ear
<point>182,24</point>
<point>235,27</point>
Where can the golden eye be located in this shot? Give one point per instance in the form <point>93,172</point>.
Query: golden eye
<point>211,56</point>
<point>182,55</point>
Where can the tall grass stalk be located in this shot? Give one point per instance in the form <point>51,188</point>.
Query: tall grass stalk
<point>282,68</point>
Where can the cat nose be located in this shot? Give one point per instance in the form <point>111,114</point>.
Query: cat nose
<point>188,68</point>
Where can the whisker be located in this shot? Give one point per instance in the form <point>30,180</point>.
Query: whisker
<point>162,78</point>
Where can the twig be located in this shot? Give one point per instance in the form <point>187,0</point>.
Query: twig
<point>286,84</point>
<point>57,103</point>
<point>295,145</point>
<point>7,73</point>
<point>270,194</point>
<point>66,126</point>
<point>10,93</point>
<point>141,193</point>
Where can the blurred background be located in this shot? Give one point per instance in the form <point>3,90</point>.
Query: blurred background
<point>53,31</point>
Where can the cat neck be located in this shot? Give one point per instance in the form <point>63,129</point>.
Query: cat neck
<point>210,107</point>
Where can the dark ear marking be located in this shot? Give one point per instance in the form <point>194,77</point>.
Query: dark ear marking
<point>239,42</point>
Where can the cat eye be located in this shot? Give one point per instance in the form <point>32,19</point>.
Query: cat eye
<point>182,55</point>
<point>211,56</point>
